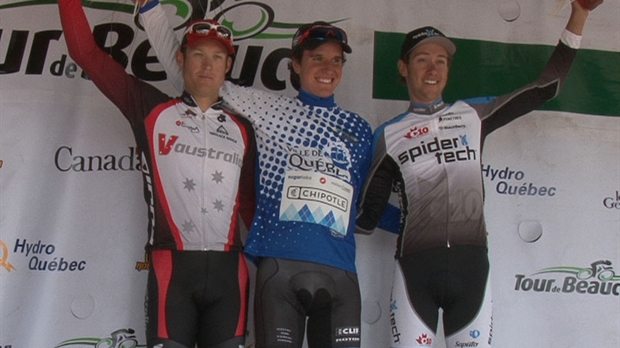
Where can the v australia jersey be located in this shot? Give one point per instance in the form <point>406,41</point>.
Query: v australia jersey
<point>192,161</point>
<point>196,162</point>
<point>313,158</point>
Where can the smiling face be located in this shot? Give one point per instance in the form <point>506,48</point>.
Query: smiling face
<point>204,65</point>
<point>426,72</point>
<point>320,69</point>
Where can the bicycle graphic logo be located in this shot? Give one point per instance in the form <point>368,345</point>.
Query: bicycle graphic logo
<point>599,270</point>
<point>119,339</point>
<point>122,338</point>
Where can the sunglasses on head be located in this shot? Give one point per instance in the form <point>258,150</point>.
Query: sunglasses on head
<point>205,28</point>
<point>322,32</point>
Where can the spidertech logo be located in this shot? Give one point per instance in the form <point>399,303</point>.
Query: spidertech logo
<point>597,279</point>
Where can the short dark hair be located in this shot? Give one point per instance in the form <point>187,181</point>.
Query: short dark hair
<point>300,45</point>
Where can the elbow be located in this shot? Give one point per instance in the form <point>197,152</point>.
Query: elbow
<point>550,90</point>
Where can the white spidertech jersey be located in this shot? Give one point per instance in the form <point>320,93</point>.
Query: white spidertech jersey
<point>431,156</point>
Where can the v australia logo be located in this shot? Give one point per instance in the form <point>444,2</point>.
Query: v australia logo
<point>166,145</point>
<point>597,279</point>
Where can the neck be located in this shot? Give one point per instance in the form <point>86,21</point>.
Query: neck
<point>311,99</point>
<point>203,103</point>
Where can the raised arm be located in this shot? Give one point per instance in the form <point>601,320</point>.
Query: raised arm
<point>506,108</point>
<point>579,15</point>
<point>242,100</point>
<point>124,90</point>
<point>163,40</point>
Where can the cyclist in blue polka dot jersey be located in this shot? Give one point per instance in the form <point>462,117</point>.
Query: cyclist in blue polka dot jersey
<point>313,158</point>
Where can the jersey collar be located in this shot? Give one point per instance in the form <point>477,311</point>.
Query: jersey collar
<point>313,100</point>
<point>428,109</point>
<point>189,100</point>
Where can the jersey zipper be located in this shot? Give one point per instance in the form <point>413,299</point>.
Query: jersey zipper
<point>203,179</point>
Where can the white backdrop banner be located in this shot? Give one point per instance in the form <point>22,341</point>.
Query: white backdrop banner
<point>72,212</point>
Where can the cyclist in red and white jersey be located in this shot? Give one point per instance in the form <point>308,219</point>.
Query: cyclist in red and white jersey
<point>195,154</point>
<point>431,156</point>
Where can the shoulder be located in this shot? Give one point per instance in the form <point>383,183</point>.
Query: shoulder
<point>354,117</point>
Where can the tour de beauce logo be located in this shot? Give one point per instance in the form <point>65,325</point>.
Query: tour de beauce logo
<point>258,63</point>
<point>597,279</point>
<point>265,26</point>
<point>122,338</point>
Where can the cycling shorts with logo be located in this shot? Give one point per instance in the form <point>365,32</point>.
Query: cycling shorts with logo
<point>454,279</point>
<point>288,291</point>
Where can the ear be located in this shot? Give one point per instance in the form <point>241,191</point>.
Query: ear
<point>402,68</point>
<point>296,66</point>
<point>180,58</point>
<point>228,64</point>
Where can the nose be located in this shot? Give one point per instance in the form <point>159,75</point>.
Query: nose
<point>207,63</point>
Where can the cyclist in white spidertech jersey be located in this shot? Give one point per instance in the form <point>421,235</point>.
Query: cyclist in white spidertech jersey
<point>431,156</point>
<point>313,158</point>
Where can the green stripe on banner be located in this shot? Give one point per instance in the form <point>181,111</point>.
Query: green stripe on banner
<point>483,68</point>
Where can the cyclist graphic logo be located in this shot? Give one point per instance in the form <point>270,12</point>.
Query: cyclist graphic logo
<point>122,338</point>
<point>597,279</point>
<point>600,270</point>
<point>4,257</point>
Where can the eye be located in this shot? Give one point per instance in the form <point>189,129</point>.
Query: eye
<point>338,60</point>
<point>441,62</point>
<point>421,60</point>
<point>317,58</point>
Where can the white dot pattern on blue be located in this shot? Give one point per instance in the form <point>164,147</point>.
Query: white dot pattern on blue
<point>285,126</point>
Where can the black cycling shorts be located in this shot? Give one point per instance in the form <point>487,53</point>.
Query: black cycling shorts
<point>454,279</point>
<point>289,292</point>
<point>197,297</point>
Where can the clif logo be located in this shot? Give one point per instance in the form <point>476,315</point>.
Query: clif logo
<point>347,331</point>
